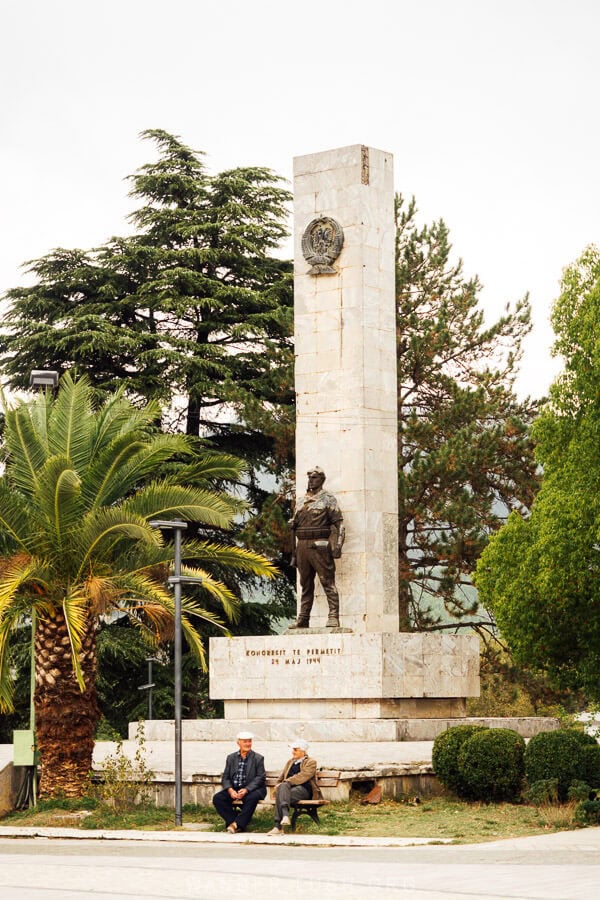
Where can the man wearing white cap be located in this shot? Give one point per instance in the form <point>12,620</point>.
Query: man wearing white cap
<point>296,782</point>
<point>244,779</point>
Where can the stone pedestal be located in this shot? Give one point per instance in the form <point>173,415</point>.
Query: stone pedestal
<point>343,687</point>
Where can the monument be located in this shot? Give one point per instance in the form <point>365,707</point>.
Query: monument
<point>341,686</point>
<point>362,680</point>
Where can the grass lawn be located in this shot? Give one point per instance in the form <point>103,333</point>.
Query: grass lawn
<point>436,818</point>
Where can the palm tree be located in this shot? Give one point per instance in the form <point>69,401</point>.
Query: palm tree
<point>79,488</point>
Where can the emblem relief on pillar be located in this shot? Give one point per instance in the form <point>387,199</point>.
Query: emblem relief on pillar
<point>322,243</point>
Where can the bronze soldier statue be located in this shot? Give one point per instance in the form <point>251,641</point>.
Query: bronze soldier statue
<point>317,539</point>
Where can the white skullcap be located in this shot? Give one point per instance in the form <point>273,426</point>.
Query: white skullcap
<point>299,744</point>
<point>245,736</point>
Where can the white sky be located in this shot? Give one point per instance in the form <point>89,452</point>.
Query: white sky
<point>490,108</point>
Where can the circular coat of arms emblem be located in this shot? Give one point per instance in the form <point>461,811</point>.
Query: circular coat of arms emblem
<point>322,243</point>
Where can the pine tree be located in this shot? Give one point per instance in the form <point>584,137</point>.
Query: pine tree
<point>465,455</point>
<point>194,310</point>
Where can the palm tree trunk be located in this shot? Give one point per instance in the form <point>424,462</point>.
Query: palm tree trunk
<point>66,717</point>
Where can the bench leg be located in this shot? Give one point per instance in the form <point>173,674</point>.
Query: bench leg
<point>311,811</point>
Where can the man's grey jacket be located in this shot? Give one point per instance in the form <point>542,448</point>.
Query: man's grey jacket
<point>256,777</point>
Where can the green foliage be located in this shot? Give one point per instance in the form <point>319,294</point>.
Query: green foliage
<point>508,689</point>
<point>126,782</point>
<point>445,753</point>
<point>465,454</point>
<point>76,501</point>
<point>19,663</point>
<point>105,731</point>
<point>566,756</point>
<point>588,812</point>
<point>580,790</point>
<point>539,575</point>
<point>193,310</point>
<point>542,792</point>
<point>490,764</point>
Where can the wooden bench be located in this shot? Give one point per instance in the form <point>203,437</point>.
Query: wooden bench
<point>326,778</point>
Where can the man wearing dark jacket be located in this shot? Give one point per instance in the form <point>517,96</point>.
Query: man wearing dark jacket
<point>244,779</point>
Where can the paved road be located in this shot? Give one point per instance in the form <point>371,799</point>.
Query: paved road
<point>563,866</point>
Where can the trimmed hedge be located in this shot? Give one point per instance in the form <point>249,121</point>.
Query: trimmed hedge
<point>491,766</point>
<point>446,748</point>
<point>566,755</point>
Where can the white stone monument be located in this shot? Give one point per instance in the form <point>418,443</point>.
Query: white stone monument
<point>362,685</point>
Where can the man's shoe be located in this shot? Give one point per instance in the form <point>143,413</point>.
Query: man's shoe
<point>275,831</point>
<point>332,622</point>
<point>285,820</point>
<point>300,624</point>
<point>232,829</point>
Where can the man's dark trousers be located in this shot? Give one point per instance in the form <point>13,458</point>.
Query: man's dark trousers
<point>223,804</point>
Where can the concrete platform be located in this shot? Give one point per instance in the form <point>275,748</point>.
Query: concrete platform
<point>401,768</point>
<point>340,733</point>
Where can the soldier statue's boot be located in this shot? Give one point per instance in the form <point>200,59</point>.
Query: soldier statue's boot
<point>333,619</point>
<point>303,619</point>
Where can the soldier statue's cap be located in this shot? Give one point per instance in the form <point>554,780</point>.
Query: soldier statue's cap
<point>316,470</point>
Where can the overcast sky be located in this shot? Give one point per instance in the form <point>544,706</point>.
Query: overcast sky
<point>490,108</point>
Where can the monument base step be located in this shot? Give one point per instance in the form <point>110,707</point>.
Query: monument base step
<point>337,629</point>
<point>336,730</point>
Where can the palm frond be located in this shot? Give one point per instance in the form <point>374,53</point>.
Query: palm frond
<point>127,461</point>
<point>15,518</point>
<point>71,421</point>
<point>231,557</point>
<point>117,416</point>
<point>97,481</point>
<point>217,590</point>
<point>101,528</point>
<point>60,496</point>
<point>75,611</point>
<point>6,681</point>
<point>16,572</point>
<point>151,607</point>
<point>211,467</point>
<point>162,500</point>
<point>26,451</point>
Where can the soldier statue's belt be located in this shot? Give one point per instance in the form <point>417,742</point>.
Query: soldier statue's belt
<point>312,534</point>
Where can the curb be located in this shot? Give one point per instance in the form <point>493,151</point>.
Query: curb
<point>215,837</point>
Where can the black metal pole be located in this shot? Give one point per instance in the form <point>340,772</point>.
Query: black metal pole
<point>178,746</point>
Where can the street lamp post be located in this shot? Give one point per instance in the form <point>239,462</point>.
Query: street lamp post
<point>177,526</point>
<point>148,687</point>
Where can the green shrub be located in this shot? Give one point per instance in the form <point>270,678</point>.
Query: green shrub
<point>566,755</point>
<point>491,765</point>
<point>126,782</point>
<point>588,813</point>
<point>542,792</point>
<point>579,790</point>
<point>446,748</point>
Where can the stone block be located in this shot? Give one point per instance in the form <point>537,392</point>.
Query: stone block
<point>369,666</point>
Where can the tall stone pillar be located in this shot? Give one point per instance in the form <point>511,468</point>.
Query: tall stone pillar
<point>345,333</point>
<point>326,684</point>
